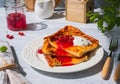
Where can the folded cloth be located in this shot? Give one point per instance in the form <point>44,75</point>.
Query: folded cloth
<point>3,78</point>
<point>16,78</point>
<point>6,58</point>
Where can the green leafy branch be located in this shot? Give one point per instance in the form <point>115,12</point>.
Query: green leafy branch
<point>110,17</point>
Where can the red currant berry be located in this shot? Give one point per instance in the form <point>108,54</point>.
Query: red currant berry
<point>9,36</point>
<point>21,33</point>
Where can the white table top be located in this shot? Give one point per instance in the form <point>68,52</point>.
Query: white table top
<point>89,76</point>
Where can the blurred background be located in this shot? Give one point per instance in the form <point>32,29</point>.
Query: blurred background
<point>1,3</point>
<point>97,3</point>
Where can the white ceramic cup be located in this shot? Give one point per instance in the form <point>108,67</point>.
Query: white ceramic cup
<point>44,8</point>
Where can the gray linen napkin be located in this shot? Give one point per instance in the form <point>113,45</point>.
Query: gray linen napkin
<point>7,61</point>
<point>16,78</point>
<point>6,58</point>
<point>3,78</point>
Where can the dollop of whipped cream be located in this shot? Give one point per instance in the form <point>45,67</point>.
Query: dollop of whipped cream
<point>80,41</point>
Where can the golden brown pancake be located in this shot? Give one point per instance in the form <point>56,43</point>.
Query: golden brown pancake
<point>70,55</point>
<point>76,51</point>
<point>65,61</point>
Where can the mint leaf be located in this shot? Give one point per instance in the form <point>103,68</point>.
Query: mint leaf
<point>3,48</point>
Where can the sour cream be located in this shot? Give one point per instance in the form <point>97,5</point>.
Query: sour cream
<point>80,41</point>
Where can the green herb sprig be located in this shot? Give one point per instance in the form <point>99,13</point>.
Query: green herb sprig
<point>110,17</point>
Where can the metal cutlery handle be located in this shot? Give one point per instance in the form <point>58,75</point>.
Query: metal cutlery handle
<point>106,67</point>
<point>116,76</point>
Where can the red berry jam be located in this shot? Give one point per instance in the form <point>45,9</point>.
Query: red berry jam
<point>16,21</point>
<point>64,59</point>
<point>60,52</point>
<point>69,64</point>
<point>65,41</point>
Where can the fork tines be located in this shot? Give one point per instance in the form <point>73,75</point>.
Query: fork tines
<point>114,43</point>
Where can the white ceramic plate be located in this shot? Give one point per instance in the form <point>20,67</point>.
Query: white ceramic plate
<point>38,61</point>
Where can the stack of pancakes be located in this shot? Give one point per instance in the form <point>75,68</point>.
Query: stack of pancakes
<point>61,53</point>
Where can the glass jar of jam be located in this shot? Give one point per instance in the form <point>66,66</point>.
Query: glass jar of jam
<point>15,14</point>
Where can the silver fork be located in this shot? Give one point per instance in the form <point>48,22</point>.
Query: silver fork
<point>108,63</point>
<point>113,45</point>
